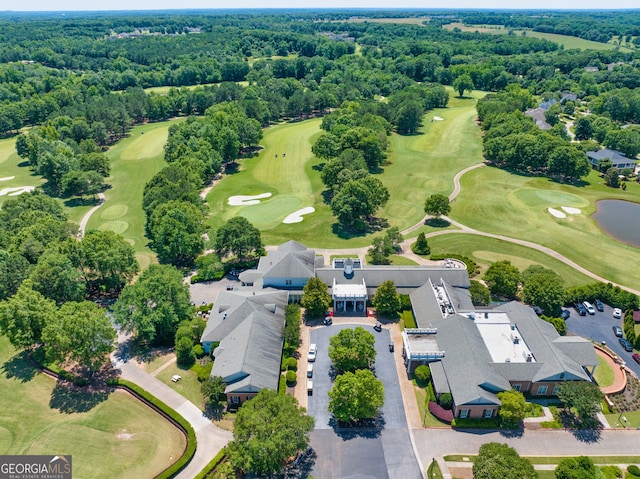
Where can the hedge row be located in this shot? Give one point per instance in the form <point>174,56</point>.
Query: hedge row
<point>212,464</point>
<point>472,267</point>
<point>172,416</point>
<point>606,292</point>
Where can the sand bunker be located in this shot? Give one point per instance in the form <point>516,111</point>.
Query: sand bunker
<point>7,178</point>
<point>571,211</point>
<point>438,118</point>
<point>243,200</point>
<point>556,213</point>
<point>296,216</point>
<point>18,190</point>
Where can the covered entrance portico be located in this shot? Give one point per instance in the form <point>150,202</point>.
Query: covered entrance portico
<point>350,298</point>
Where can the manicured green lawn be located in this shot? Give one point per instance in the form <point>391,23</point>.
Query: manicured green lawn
<point>485,251</point>
<point>12,165</point>
<point>134,160</point>
<point>633,421</point>
<point>113,435</point>
<point>604,374</point>
<point>188,386</point>
<point>497,201</point>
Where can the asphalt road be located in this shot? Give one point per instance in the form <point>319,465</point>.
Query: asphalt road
<point>380,452</point>
<point>599,327</point>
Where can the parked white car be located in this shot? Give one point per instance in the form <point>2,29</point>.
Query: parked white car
<point>617,313</point>
<point>313,351</point>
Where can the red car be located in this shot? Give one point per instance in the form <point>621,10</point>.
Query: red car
<point>636,357</point>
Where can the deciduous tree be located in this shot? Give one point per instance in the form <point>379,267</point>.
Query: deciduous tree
<point>462,83</point>
<point>437,205</point>
<point>316,299</point>
<point>581,467</point>
<point>356,396</point>
<point>513,408</point>
<point>499,461</point>
<point>239,237</point>
<point>352,349</point>
<point>544,290</point>
<point>387,300</point>
<point>268,430</point>
<point>503,279</point>
<point>583,396</point>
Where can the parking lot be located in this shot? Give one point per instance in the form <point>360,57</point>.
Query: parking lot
<point>599,327</point>
<point>381,451</point>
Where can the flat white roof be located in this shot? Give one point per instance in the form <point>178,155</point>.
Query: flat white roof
<point>502,338</point>
<point>349,291</point>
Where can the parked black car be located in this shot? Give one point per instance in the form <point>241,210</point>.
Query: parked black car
<point>565,314</point>
<point>579,307</point>
<point>598,304</point>
<point>626,344</point>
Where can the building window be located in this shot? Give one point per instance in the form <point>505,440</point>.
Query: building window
<point>464,413</point>
<point>556,389</point>
<point>487,413</point>
<point>288,282</point>
<point>235,399</point>
<point>516,386</point>
<point>542,390</point>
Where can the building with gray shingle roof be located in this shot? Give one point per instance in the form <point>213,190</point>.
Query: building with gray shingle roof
<point>245,331</point>
<point>618,160</point>
<point>493,350</point>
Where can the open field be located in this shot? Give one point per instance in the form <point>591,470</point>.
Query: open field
<point>499,202</point>
<point>109,436</point>
<point>485,251</point>
<point>567,41</point>
<point>134,160</point>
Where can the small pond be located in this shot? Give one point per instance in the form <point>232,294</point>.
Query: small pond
<point>620,219</point>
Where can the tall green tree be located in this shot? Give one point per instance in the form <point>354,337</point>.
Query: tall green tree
<point>503,279</point>
<point>387,300</point>
<point>544,290</point>
<point>177,228</point>
<point>513,408</point>
<point>499,461</point>
<point>480,294</point>
<point>14,268</point>
<point>268,430</point>
<point>316,299</point>
<point>582,396</point>
<point>352,349</point>
<point>57,278</point>
<point>154,305</point>
<point>80,332</point>
<point>421,246</point>
<point>463,83</point>
<point>437,205</point>
<point>24,315</point>
<point>612,178</point>
<point>356,396</point>
<point>239,237</point>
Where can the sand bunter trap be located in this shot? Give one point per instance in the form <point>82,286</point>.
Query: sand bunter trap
<point>571,211</point>
<point>18,190</point>
<point>438,118</point>
<point>245,200</point>
<point>556,213</point>
<point>296,216</point>
<point>567,209</point>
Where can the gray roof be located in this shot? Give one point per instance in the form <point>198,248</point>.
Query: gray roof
<point>405,278</point>
<point>439,378</point>
<point>474,378</point>
<point>248,324</point>
<point>616,157</point>
<point>538,117</point>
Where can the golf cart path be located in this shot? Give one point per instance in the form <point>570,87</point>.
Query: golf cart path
<point>211,439</point>
<point>87,216</point>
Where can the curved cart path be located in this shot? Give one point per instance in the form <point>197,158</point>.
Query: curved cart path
<point>86,217</point>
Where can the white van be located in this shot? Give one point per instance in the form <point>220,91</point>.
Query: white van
<point>590,309</point>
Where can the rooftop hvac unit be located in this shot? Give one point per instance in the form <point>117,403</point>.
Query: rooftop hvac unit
<point>508,360</point>
<point>529,357</point>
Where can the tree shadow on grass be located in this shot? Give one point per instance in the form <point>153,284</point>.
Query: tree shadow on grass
<point>373,225</point>
<point>73,202</point>
<point>69,399</point>
<point>20,367</point>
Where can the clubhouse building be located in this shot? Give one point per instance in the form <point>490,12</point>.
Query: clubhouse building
<point>474,353</point>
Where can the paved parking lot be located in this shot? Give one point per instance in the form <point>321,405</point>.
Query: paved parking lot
<point>599,328</point>
<point>382,452</point>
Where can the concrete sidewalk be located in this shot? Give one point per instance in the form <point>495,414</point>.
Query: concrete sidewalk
<point>210,438</point>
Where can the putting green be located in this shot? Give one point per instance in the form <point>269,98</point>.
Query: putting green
<point>114,212</point>
<point>537,197</point>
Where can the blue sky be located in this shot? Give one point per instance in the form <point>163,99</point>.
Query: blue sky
<point>59,5</point>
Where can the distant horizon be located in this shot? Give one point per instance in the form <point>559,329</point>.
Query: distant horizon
<point>96,6</point>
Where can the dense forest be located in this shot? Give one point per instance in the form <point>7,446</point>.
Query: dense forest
<point>72,85</point>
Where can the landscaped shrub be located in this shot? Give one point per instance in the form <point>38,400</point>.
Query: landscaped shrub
<point>291,377</point>
<point>405,302</point>
<point>446,400</point>
<point>282,385</point>
<point>606,292</point>
<point>199,351</point>
<point>284,363</point>
<point>292,364</point>
<point>210,268</point>
<point>633,469</point>
<point>611,472</point>
<point>212,464</point>
<point>422,374</point>
<point>203,369</point>
<point>444,415</point>
<point>184,352</point>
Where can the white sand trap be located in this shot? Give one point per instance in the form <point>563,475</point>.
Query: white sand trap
<point>296,216</point>
<point>18,190</point>
<point>7,178</point>
<point>557,213</point>
<point>571,211</point>
<point>243,200</point>
<point>438,118</point>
